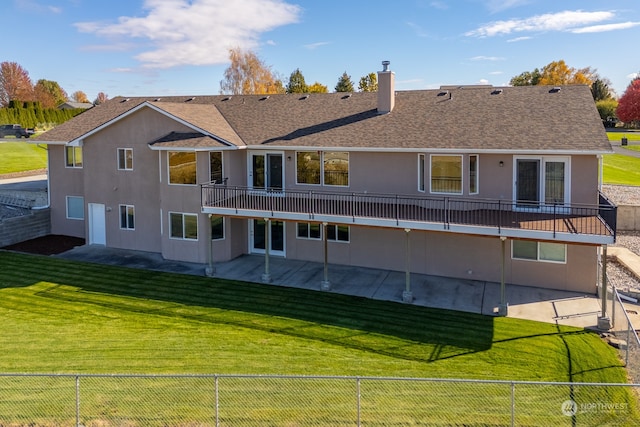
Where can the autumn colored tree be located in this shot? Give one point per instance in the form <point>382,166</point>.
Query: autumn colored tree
<point>79,96</point>
<point>248,74</point>
<point>101,98</point>
<point>344,83</point>
<point>368,83</point>
<point>49,93</point>
<point>296,83</point>
<point>318,88</point>
<point>629,103</point>
<point>15,84</point>
<point>555,73</point>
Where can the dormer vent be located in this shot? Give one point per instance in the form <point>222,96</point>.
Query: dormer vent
<point>555,89</point>
<point>443,93</point>
<point>190,99</point>
<point>303,97</point>
<point>497,92</point>
<point>227,98</point>
<point>125,100</point>
<point>346,96</point>
<point>264,98</point>
<point>157,99</point>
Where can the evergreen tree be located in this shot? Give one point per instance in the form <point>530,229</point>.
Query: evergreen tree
<point>344,83</point>
<point>296,83</point>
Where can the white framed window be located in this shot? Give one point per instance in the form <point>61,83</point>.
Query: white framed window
<point>75,207</point>
<point>183,226</point>
<point>215,167</point>
<point>73,157</point>
<point>309,230</point>
<point>125,159</point>
<point>530,250</point>
<point>182,167</point>
<point>421,172</point>
<point>322,168</point>
<point>474,165</point>
<point>542,181</point>
<point>446,174</point>
<point>127,217</point>
<point>313,231</point>
<point>217,227</point>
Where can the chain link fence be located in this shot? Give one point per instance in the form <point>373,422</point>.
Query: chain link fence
<point>295,401</point>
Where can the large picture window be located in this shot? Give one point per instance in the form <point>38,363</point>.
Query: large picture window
<point>183,226</point>
<point>182,167</point>
<point>73,157</point>
<point>327,168</point>
<point>539,251</point>
<point>75,207</point>
<point>446,174</point>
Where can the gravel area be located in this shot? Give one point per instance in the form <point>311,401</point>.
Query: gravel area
<point>622,194</point>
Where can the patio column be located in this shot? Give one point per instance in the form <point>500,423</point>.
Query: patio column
<point>503,307</point>
<point>210,270</point>
<point>604,323</point>
<point>266,276</point>
<point>325,285</point>
<point>407,295</point>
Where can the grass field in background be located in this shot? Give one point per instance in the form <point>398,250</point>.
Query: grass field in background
<point>21,156</point>
<point>620,169</point>
<point>60,316</point>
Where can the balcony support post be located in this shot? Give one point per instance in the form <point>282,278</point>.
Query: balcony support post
<point>210,271</point>
<point>325,285</point>
<point>266,276</point>
<point>407,295</point>
<point>604,322</point>
<point>503,307</point>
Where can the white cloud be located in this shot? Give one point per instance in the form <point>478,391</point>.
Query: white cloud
<point>561,21</point>
<point>500,5</point>
<point>519,39</point>
<point>196,32</point>
<point>487,58</point>
<point>439,5</point>
<point>633,76</point>
<point>35,6</point>
<point>312,46</point>
<point>496,73</point>
<point>605,27</point>
<point>483,81</point>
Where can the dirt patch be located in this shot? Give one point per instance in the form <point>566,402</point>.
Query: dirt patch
<point>52,244</point>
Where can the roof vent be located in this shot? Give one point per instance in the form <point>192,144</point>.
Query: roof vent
<point>346,96</point>
<point>226,98</point>
<point>302,98</point>
<point>385,66</point>
<point>157,99</point>
<point>125,100</point>
<point>190,99</point>
<point>264,98</point>
<point>443,93</point>
<point>497,92</point>
<point>555,89</point>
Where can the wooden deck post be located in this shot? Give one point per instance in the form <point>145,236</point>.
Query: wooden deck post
<point>325,285</point>
<point>266,276</point>
<point>407,295</point>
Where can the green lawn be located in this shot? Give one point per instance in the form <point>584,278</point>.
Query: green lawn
<point>60,316</point>
<point>621,169</point>
<point>21,156</point>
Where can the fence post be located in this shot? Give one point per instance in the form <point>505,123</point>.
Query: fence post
<point>358,399</point>
<point>513,404</point>
<point>217,401</point>
<point>77,401</point>
<point>626,356</point>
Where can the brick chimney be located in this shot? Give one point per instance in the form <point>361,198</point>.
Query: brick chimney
<point>386,89</point>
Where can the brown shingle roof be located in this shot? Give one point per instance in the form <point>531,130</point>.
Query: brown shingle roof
<point>525,119</point>
<point>187,140</point>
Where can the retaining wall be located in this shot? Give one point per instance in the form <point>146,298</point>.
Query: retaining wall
<point>628,218</point>
<point>36,223</point>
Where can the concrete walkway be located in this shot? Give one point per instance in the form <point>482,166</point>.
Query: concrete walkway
<point>545,305</point>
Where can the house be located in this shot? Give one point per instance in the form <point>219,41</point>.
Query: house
<point>69,105</point>
<point>473,182</point>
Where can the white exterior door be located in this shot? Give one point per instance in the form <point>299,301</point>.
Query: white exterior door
<point>97,224</point>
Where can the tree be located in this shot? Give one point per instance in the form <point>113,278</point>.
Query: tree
<point>49,93</point>
<point>248,74</point>
<point>296,83</point>
<point>344,83</point>
<point>101,98</point>
<point>79,96</point>
<point>601,89</point>
<point>607,109</point>
<point>629,103</point>
<point>318,88</point>
<point>15,84</point>
<point>368,83</point>
<point>527,78</point>
<point>559,73</point>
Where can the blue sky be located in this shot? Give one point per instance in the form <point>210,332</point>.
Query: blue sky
<point>167,47</point>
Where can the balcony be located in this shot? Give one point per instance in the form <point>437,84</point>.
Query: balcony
<point>588,224</point>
